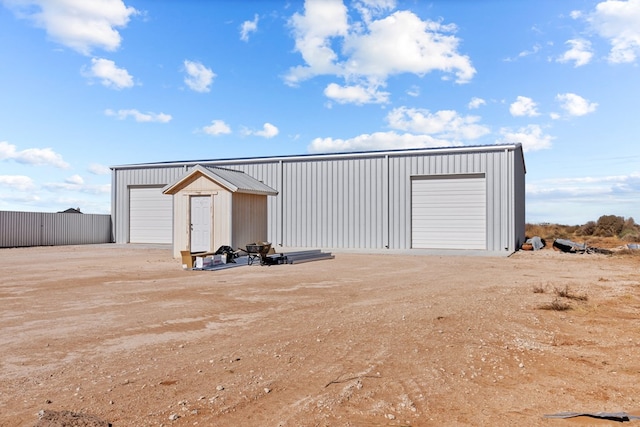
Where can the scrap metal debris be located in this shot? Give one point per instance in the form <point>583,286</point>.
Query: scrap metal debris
<point>534,244</point>
<point>565,245</point>
<point>611,416</point>
<point>227,257</point>
<point>568,246</point>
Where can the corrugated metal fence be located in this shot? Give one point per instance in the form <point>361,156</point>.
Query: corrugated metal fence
<point>53,229</point>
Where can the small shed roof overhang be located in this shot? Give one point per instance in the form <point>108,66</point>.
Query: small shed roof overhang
<point>232,180</point>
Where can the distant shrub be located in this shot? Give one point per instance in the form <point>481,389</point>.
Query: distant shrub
<point>587,229</point>
<point>609,226</point>
<point>571,229</point>
<point>630,231</point>
<point>538,289</point>
<point>630,236</point>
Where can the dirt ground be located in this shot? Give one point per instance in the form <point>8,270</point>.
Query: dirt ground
<point>122,334</point>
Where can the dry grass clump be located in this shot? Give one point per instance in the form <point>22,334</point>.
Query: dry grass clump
<point>628,253</point>
<point>556,305</point>
<point>538,289</point>
<point>566,293</point>
<point>549,232</point>
<point>562,294</point>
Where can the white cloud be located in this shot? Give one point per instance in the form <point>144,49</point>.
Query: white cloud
<point>198,77</point>
<point>371,8</point>
<point>531,137</point>
<point>616,179</point>
<point>523,106</point>
<point>109,74</point>
<point>445,124</point>
<point>18,200</point>
<point>313,31</point>
<point>75,183</point>
<point>422,129</point>
<point>586,195</point>
<point>75,180</point>
<point>372,50</point>
<point>414,91</point>
<point>32,156</point>
<point>140,117</point>
<point>576,14</point>
<point>580,52</point>
<point>81,25</point>
<point>98,169</point>
<point>476,103</point>
<point>217,127</point>
<point>523,54</point>
<point>17,182</point>
<point>403,43</point>
<point>619,23</point>
<point>268,131</point>
<point>575,105</point>
<point>355,94</point>
<point>248,27</point>
<point>377,141</point>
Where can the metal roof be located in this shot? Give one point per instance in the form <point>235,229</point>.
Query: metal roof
<point>302,157</point>
<point>233,180</point>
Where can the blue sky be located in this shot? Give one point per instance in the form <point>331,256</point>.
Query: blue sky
<point>85,85</point>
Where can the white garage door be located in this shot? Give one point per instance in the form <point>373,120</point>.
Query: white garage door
<point>150,216</point>
<point>449,212</point>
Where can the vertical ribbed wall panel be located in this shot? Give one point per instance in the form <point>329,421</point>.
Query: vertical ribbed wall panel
<point>75,229</point>
<point>494,218</point>
<point>22,229</point>
<point>334,203</point>
<point>519,200</point>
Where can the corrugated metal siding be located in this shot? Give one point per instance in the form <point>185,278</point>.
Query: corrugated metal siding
<point>519,201</point>
<point>334,203</point>
<point>358,200</point>
<point>21,229</point>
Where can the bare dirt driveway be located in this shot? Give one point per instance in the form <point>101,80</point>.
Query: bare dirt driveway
<point>123,334</point>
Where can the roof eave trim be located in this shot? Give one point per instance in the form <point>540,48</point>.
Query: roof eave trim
<point>198,169</point>
<point>328,156</point>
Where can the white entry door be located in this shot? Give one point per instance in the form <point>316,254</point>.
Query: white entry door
<point>201,223</point>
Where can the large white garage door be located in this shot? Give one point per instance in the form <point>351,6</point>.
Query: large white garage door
<point>449,212</point>
<point>150,216</point>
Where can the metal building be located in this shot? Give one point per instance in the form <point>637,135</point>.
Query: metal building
<point>469,197</point>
